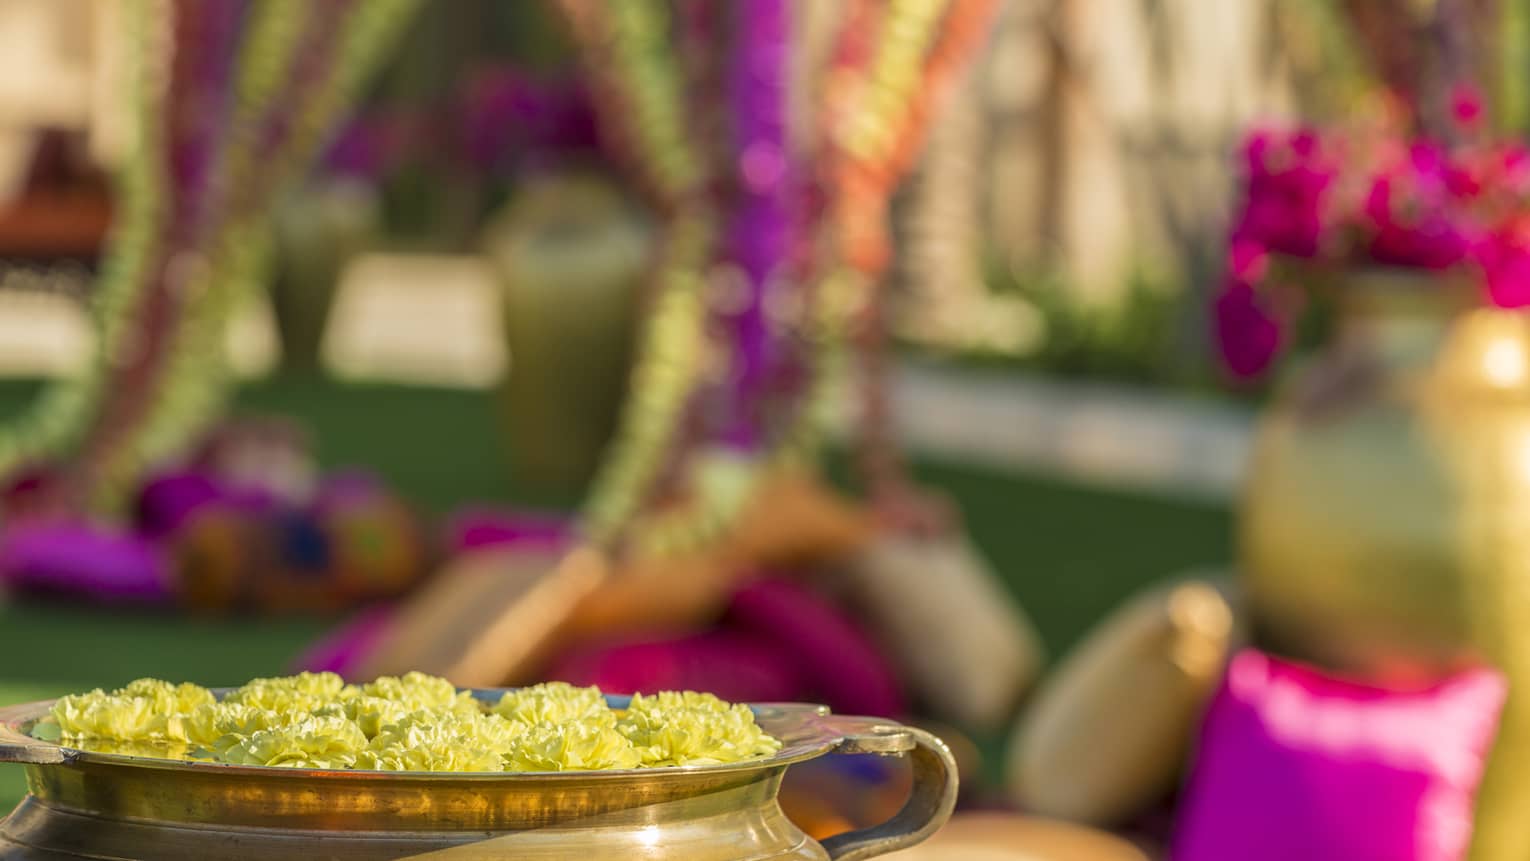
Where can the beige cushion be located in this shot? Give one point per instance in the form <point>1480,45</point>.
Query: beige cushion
<point>1108,732</point>
<point>961,642</point>
<point>487,616</point>
<point>1007,837</point>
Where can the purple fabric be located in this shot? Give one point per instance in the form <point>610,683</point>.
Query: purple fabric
<point>735,666</point>
<point>837,660</point>
<point>509,115</point>
<point>779,641</point>
<point>1296,764</point>
<point>84,562</point>
<point>168,501</point>
<point>343,649</point>
<point>346,488</point>
<point>207,38</point>
<point>759,236</point>
<point>473,529</point>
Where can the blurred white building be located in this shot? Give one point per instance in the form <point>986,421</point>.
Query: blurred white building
<point>1093,142</point>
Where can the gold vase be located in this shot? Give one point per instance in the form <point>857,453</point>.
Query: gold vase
<point>316,236</point>
<point>571,255</point>
<point>1386,526</point>
<point>1350,529</point>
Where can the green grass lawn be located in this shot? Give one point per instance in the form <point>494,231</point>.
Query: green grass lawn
<point>1069,553</point>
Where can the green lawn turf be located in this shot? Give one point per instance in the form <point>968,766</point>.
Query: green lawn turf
<point>1069,553</point>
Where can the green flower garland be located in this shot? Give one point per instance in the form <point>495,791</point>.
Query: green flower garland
<point>298,64</point>
<point>870,94</point>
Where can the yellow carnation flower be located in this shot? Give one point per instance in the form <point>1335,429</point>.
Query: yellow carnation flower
<point>573,746</point>
<point>415,722</point>
<point>312,742</point>
<point>418,690</point>
<point>555,703</point>
<point>101,715</point>
<point>688,728</point>
<point>304,692</point>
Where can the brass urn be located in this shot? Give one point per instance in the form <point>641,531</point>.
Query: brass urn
<point>1354,534</point>
<point>1385,530</point>
<point>97,805</point>
<point>571,254</point>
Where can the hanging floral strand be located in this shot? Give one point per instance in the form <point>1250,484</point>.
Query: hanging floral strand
<point>250,91</point>
<point>877,94</point>
<point>640,92</point>
<point>866,155</point>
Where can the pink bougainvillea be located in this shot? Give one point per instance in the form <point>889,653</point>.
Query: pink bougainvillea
<point>1288,177</point>
<point>1335,199</point>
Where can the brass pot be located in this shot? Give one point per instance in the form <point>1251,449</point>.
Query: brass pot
<point>94,805</point>
<point>1388,488</point>
<point>316,236</point>
<point>1386,527</point>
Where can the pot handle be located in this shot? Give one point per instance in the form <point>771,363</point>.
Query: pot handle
<point>928,806</point>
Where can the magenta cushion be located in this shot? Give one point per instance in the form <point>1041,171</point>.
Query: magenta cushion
<point>734,665</point>
<point>1294,763</point>
<point>837,660</point>
<point>348,646</point>
<point>81,560</point>
<point>476,528</point>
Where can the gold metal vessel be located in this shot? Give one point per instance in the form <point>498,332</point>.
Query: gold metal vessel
<point>1386,525</point>
<point>571,255</point>
<point>93,805</point>
<point>1355,540</point>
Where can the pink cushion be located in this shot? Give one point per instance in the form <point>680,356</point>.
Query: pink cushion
<point>1297,764</point>
<point>840,664</point>
<point>734,665</point>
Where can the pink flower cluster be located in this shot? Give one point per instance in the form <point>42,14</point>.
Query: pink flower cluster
<point>1333,200</point>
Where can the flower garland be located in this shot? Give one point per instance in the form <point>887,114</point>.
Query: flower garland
<point>867,159</point>
<point>62,411</point>
<point>877,97</point>
<point>192,235</point>
<point>639,97</point>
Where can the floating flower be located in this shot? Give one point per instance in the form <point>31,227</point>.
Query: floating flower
<point>421,691</point>
<point>431,741</point>
<point>216,727</point>
<point>312,742</point>
<point>415,722</point>
<point>572,746</point>
<point>689,728</point>
<point>143,710</point>
<point>554,702</point>
<point>302,692</point>
<point>101,715</point>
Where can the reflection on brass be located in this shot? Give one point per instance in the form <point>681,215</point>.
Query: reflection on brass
<point>1390,534</point>
<point>1352,537</point>
<point>94,805</point>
